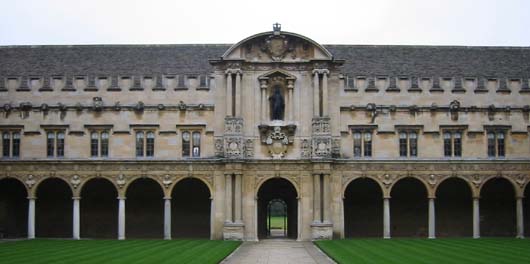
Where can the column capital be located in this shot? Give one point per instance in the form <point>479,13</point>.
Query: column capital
<point>32,197</point>
<point>321,71</point>
<point>290,84</point>
<point>167,198</point>
<point>234,71</point>
<point>264,83</point>
<point>122,198</point>
<point>76,198</point>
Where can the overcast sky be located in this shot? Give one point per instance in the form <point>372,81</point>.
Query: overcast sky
<point>415,22</point>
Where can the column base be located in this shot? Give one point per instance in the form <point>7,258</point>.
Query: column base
<point>233,231</point>
<point>321,231</point>
<point>386,237</point>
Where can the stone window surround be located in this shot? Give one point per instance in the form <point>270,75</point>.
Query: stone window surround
<point>362,129</point>
<point>191,129</point>
<point>11,130</point>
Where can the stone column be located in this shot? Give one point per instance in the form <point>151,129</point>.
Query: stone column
<point>317,216</point>
<point>325,93</point>
<point>229,93</point>
<point>238,94</point>
<point>520,217</point>
<point>76,218</point>
<point>228,198</point>
<point>432,219</point>
<point>237,195</point>
<point>121,218</point>
<point>316,94</point>
<point>326,196</point>
<point>476,218</point>
<point>263,86</point>
<point>167,218</point>
<point>31,217</point>
<point>290,89</point>
<point>386,218</point>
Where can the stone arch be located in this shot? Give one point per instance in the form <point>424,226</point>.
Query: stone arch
<point>472,188</point>
<point>454,207</point>
<point>363,194</point>
<point>347,183</point>
<point>428,189</point>
<point>43,179</point>
<point>511,181</point>
<point>28,190</point>
<point>13,208</point>
<point>169,190</point>
<point>262,181</point>
<point>277,188</point>
<point>144,208</point>
<point>79,189</point>
<point>409,207</point>
<point>497,207</point>
<point>98,208</point>
<point>190,208</point>
<point>54,208</point>
<point>130,181</point>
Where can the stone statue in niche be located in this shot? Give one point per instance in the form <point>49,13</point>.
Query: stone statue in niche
<point>277,104</point>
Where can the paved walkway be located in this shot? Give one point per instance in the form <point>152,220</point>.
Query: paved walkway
<point>277,251</point>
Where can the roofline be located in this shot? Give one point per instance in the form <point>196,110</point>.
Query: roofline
<point>231,44</point>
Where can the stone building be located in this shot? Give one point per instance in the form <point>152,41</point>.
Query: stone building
<point>170,141</point>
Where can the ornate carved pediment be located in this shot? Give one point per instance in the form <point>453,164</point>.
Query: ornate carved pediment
<point>275,46</point>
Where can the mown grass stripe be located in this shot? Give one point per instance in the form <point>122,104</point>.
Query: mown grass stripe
<point>443,251</point>
<point>115,252</point>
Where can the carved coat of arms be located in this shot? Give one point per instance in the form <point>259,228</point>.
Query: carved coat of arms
<point>276,46</point>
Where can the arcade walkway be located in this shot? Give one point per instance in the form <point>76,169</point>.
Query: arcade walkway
<point>278,251</point>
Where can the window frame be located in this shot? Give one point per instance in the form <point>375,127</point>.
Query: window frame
<point>55,146</point>
<point>10,139</point>
<point>496,143</point>
<point>99,143</point>
<point>408,143</point>
<point>147,146</point>
<point>188,147</point>
<point>453,143</point>
<point>362,147</point>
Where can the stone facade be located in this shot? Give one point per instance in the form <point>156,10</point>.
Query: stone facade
<point>330,94</point>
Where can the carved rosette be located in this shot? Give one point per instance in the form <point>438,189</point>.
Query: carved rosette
<point>233,148</point>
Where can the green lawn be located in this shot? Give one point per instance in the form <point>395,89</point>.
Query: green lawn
<point>446,251</point>
<point>114,251</point>
<point>276,222</point>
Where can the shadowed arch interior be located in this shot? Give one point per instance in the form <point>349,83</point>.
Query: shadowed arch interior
<point>99,209</point>
<point>363,209</point>
<point>144,209</point>
<point>190,209</point>
<point>454,209</point>
<point>278,188</point>
<point>497,208</point>
<point>526,209</point>
<point>13,209</point>
<point>409,209</point>
<point>54,209</point>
